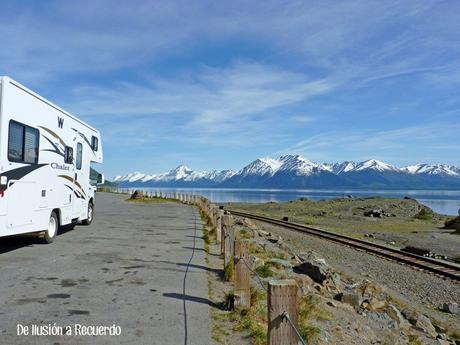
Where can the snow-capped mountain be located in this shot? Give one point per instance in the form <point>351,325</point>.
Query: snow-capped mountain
<point>438,169</point>
<point>294,171</point>
<point>373,164</point>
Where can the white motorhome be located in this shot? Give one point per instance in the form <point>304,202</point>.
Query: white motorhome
<point>45,157</point>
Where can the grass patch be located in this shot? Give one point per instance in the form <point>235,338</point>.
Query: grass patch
<point>254,319</point>
<point>453,334</point>
<point>424,214</point>
<point>311,308</point>
<point>264,271</point>
<point>453,223</point>
<point>413,340</point>
<point>205,234</point>
<point>229,271</point>
<point>244,234</point>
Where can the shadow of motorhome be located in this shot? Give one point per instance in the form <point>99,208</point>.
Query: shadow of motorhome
<point>10,243</point>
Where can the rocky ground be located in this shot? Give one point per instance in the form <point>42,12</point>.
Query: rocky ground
<point>394,222</point>
<point>379,291</point>
<point>348,297</point>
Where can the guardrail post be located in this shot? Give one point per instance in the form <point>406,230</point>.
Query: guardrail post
<point>228,240</point>
<point>282,299</point>
<point>220,214</point>
<point>242,275</point>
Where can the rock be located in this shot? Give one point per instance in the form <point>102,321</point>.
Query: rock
<point>351,297</point>
<point>439,329</point>
<point>370,289</point>
<point>256,262</point>
<point>239,221</point>
<point>274,239</point>
<point>382,319</point>
<point>138,194</point>
<point>374,213</point>
<point>375,304</point>
<point>444,342</point>
<point>249,223</point>
<point>331,304</point>
<point>442,336</point>
<point>396,315</point>
<point>451,308</point>
<point>283,263</point>
<point>420,322</point>
<point>263,233</point>
<point>317,270</point>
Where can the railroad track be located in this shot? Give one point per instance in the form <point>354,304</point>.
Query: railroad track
<point>441,268</point>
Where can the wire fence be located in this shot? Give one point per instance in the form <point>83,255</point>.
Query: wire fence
<point>285,316</point>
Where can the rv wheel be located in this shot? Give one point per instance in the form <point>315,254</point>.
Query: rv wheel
<point>88,220</point>
<point>53,226</point>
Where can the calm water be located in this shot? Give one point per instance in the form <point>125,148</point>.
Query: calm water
<point>441,201</point>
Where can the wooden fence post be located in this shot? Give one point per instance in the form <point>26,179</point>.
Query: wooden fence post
<point>282,297</point>
<point>220,213</point>
<point>229,238</point>
<point>242,275</point>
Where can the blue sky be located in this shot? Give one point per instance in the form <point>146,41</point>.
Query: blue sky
<point>216,84</point>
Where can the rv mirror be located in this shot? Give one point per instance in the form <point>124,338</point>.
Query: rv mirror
<point>100,179</point>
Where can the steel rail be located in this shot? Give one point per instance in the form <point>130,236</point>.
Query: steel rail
<point>441,268</point>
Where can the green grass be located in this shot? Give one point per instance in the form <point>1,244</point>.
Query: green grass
<point>229,271</point>
<point>254,319</point>
<point>264,271</point>
<point>244,234</point>
<point>453,223</point>
<point>424,215</point>
<point>413,340</point>
<point>311,309</point>
<point>205,235</point>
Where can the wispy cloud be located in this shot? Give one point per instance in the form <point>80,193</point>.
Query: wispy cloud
<point>413,144</point>
<point>176,77</point>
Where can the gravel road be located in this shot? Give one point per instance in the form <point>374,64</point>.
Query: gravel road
<point>135,267</point>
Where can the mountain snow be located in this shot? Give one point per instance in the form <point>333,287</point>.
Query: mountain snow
<point>374,164</point>
<point>439,169</point>
<point>288,165</point>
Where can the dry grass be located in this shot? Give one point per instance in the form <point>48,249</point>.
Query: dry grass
<point>254,319</point>
<point>311,309</point>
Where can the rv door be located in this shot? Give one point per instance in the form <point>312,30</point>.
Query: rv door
<point>79,195</point>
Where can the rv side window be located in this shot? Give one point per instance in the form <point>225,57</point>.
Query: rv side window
<point>23,143</point>
<point>94,143</point>
<point>79,155</point>
<point>68,155</point>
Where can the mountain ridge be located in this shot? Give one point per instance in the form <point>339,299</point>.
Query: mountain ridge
<point>295,171</point>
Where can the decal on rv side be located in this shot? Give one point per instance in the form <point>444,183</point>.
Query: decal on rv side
<point>60,166</point>
<point>86,140</point>
<point>56,148</point>
<point>53,134</point>
<point>78,195</point>
<point>68,178</point>
<point>18,173</point>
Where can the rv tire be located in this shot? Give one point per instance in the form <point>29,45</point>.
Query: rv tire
<point>53,227</point>
<point>89,220</point>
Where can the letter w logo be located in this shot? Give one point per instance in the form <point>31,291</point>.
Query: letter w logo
<point>60,122</point>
